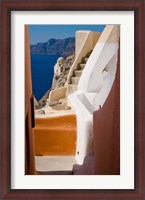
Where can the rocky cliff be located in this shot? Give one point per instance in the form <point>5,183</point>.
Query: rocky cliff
<point>61,70</point>
<point>61,47</point>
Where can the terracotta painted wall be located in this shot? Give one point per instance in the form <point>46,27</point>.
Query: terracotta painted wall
<point>29,137</point>
<point>107,132</point>
<point>55,135</point>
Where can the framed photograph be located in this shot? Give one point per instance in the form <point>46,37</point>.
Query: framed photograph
<point>72,101</point>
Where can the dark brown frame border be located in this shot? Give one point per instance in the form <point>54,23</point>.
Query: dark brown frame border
<point>138,6</point>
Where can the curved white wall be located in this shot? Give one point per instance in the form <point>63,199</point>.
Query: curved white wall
<point>94,86</point>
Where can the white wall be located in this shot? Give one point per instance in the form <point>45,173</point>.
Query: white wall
<point>94,86</point>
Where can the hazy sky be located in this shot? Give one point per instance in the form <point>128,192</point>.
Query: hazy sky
<point>42,33</point>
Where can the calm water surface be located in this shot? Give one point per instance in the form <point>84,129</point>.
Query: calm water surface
<point>42,67</point>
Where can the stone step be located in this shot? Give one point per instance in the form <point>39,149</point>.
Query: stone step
<point>78,73</point>
<point>72,88</point>
<point>55,140</point>
<point>63,172</point>
<point>55,164</point>
<point>51,122</point>
<point>75,80</point>
<point>86,59</point>
<point>88,55</point>
<point>82,66</point>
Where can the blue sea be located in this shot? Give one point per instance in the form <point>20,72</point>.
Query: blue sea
<point>42,68</point>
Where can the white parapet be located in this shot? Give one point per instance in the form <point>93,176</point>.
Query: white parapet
<point>94,87</point>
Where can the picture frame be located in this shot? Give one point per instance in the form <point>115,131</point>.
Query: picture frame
<point>138,6</point>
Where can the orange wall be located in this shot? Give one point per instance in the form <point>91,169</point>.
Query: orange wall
<point>29,137</point>
<point>107,132</point>
<point>55,135</point>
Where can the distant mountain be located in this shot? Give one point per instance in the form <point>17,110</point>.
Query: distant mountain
<point>61,47</point>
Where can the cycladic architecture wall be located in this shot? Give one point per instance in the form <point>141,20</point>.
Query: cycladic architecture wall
<point>94,87</point>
